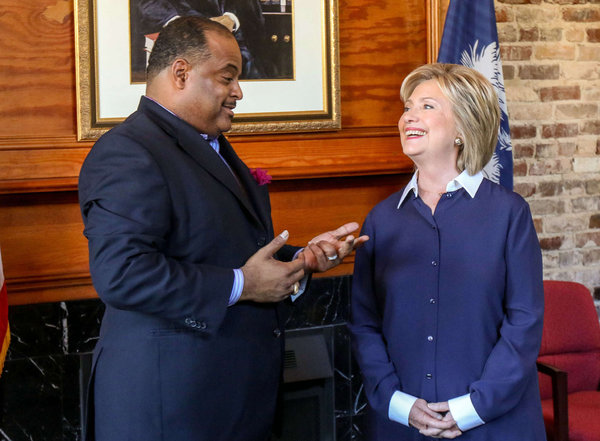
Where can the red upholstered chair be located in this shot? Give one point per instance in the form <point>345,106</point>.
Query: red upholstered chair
<point>569,363</point>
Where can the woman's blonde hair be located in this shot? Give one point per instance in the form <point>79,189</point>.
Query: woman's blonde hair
<point>474,106</point>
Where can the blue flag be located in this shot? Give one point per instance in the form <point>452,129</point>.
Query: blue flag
<point>470,38</point>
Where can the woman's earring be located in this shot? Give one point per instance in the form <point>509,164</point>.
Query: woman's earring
<point>458,141</point>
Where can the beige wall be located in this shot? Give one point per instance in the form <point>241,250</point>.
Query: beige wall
<point>551,57</point>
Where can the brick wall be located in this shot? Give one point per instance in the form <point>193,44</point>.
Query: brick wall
<point>551,58</point>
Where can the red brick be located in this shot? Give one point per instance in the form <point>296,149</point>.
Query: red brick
<point>586,15</point>
<point>520,168</point>
<point>546,151</point>
<point>570,258</point>
<point>567,148</point>
<point>559,130</point>
<point>585,204</point>
<point>538,224</point>
<point>530,34</point>
<point>593,35</point>
<point>591,257</point>
<point>515,53</point>
<point>592,187</point>
<point>502,16</point>
<point>573,186</point>
<point>525,189</point>
<point>589,53</point>
<point>588,239</point>
<point>523,151</point>
<point>579,110</point>
<point>541,207</point>
<point>554,34</point>
<point>522,132</point>
<point>507,34</point>
<point>560,93</point>
<point>567,2</point>
<point>555,51</point>
<point>595,221</point>
<point>549,189</point>
<point>551,243</point>
<point>508,72</point>
<point>591,127</point>
<point>539,72</point>
<point>549,167</point>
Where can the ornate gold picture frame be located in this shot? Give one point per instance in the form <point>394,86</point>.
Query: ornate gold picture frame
<point>308,102</point>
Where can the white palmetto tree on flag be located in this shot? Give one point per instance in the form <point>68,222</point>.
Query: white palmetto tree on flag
<point>470,38</point>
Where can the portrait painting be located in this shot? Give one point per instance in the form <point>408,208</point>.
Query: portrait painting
<point>262,28</point>
<point>290,60</point>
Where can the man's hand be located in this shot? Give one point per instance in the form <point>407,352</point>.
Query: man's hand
<point>327,250</point>
<point>450,433</point>
<point>267,279</point>
<point>428,421</point>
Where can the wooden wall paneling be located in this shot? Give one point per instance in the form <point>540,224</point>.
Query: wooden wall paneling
<point>37,68</point>
<point>43,249</point>
<point>309,207</point>
<point>45,253</point>
<point>350,153</point>
<point>320,179</point>
<point>40,164</point>
<point>380,43</point>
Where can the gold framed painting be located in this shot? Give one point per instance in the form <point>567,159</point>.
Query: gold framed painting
<point>295,89</point>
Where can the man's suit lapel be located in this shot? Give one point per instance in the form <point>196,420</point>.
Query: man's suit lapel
<point>201,151</point>
<point>257,194</point>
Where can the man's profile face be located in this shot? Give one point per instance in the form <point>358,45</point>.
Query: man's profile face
<point>212,88</point>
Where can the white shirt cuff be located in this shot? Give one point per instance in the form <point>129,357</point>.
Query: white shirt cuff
<point>400,405</point>
<point>464,413</point>
<point>236,22</point>
<point>238,286</point>
<point>303,281</point>
<point>301,289</point>
<point>171,19</point>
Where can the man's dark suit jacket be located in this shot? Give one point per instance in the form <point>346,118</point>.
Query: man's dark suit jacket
<point>167,221</point>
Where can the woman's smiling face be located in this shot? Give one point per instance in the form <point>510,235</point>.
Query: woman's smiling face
<point>427,126</point>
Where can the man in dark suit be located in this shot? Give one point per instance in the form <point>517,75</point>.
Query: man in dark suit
<point>182,254</point>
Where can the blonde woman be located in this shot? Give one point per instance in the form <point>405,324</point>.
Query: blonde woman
<point>447,298</point>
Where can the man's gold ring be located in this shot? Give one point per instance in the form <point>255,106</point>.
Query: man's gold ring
<point>296,288</point>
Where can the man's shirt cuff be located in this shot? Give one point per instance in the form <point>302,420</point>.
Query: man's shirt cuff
<point>236,22</point>
<point>400,405</point>
<point>301,289</point>
<point>303,281</point>
<point>464,413</point>
<point>238,286</point>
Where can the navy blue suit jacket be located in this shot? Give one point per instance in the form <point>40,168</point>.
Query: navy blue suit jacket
<point>166,223</point>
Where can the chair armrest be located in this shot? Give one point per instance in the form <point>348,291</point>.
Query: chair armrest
<point>559,399</point>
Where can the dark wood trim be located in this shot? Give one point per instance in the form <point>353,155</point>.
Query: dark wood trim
<point>559,400</point>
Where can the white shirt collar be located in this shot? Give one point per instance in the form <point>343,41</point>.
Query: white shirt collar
<point>464,180</point>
